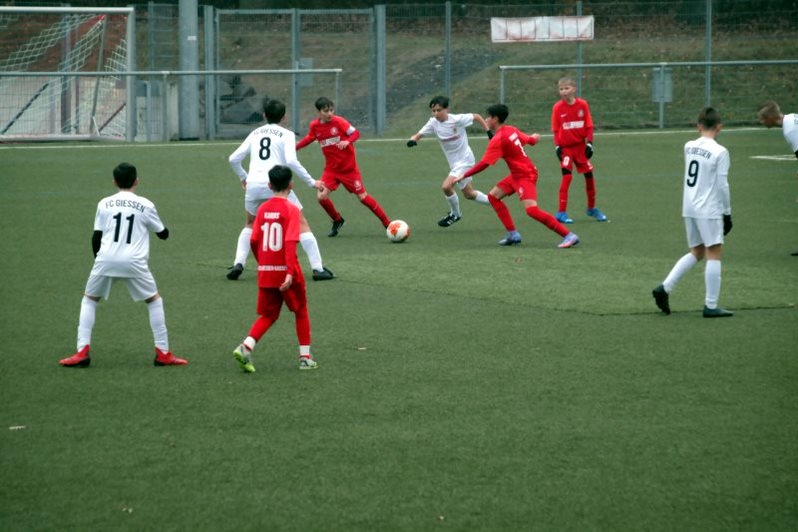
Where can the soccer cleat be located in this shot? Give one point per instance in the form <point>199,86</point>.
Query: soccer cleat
<point>449,219</point>
<point>323,275</point>
<point>661,299</point>
<point>336,226</point>
<point>717,312</point>
<point>597,214</point>
<point>166,358</point>
<point>570,240</point>
<point>235,271</point>
<point>512,238</point>
<point>242,354</point>
<point>307,363</point>
<point>81,359</point>
<point>563,217</point>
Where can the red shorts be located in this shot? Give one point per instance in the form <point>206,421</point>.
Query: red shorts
<point>525,187</point>
<point>575,156</point>
<point>270,300</point>
<point>351,181</point>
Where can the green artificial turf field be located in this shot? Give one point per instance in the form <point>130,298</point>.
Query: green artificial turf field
<point>462,386</point>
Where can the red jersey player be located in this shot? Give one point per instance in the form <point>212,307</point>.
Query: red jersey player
<point>573,142</point>
<point>508,144</point>
<point>336,136</point>
<point>275,235</point>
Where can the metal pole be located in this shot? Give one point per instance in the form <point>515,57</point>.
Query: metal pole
<point>708,56</point>
<point>579,54</point>
<point>447,57</point>
<point>130,81</point>
<point>295,62</point>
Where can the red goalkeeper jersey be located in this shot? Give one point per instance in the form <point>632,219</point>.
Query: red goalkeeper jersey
<point>571,124</point>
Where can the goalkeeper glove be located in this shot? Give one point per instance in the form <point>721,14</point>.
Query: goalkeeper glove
<point>411,143</point>
<point>727,224</point>
<point>490,133</point>
<point>589,149</point>
<point>558,151</point>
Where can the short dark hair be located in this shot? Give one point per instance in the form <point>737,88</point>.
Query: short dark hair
<point>280,177</point>
<point>499,111</point>
<point>125,175</point>
<point>323,103</point>
<point>274,111</point>
<point>708,118</point>
<point>443,101</point>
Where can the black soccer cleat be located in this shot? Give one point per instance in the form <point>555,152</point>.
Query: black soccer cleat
<point>449,219</point>
<point>336,225</point>
<point>661,299</point>
<point>717,312</point>
<point>235,271</point>
<point>323,275</point>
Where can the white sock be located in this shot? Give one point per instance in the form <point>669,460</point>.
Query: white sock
<point>249,342</point>
<point>454,204</point>
<point>482,198</point>
<point>311,247</point>
<point>682,266</point>
<point>242,247</point>
<point>158,324</point>
<point>88,308</point>
<point>304,350</point>
<point>712,282</point>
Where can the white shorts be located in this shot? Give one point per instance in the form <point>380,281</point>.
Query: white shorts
<point>458,171</point>
<point>257,193</point>
<point>708,232</point>
<point>140,288</point>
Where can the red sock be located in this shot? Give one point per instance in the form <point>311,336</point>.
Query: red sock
<point>502,212</point>
<point>547,219</point>
<point>590,189</point>
<point>565,184</point>
<point>372,204</point>
<point>303,326</point>
<point>330,209</point>
<point>260,327</point>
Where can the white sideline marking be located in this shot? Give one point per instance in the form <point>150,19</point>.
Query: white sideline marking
<point>189,144</point>
<point>789,157</point>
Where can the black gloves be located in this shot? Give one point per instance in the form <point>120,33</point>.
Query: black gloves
<point>558,151</point>
<point>411,143</point>
<point>727,224</point>
<point>490,133</point>
<point>589,149</point>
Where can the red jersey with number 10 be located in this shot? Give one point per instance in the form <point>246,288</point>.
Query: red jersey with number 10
<point>275,234</point>
<point>329,134</point>
<point>508,144</point>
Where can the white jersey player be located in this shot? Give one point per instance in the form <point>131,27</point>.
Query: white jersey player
<point>450,130</point>
<point>121,244</point>
<point>266,147</point>
<point>706,208</point>
<point>770,115</point>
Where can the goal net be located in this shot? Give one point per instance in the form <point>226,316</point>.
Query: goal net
<point>63,73</point>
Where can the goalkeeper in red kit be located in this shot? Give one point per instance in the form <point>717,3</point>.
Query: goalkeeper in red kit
<point>275,235</point>
<point>507,143</point>
<point>573,142</point>
<point>337,137</point>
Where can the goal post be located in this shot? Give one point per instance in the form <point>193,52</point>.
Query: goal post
<point>65,73</point>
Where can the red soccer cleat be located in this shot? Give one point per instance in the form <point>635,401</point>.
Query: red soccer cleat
<point>81,359</point>
<point>168,359</point>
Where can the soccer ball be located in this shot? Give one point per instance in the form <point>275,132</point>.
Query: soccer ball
<point>398,231</point>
